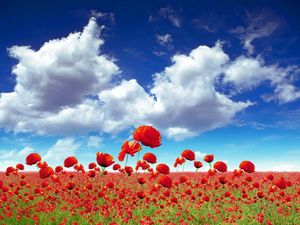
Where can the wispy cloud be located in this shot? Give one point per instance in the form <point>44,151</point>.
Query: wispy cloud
<point>165,40</point>
<point>171,15</point>
<point>258,25</point>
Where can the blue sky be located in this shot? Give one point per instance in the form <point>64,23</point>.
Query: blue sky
<point>223,78</point>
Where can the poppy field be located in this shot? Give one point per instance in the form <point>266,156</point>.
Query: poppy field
<point>148,193</point>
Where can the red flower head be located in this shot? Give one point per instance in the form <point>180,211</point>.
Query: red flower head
<point>247,166</point>
<point>179,161</point>
<point>70,161</point>
<point>281,183</point>
<point>20,166</point>
<point>165,181</point>
<point>141,194</point>
<point>116,166</point>
<point>148,136</point>
<point>141,180</point>
<point>128,170</point>
<point>33,158</point>
<point>129,147</point>
<point>92,165</point>
<point>142,164</point>
<point>10,169</point>
<point>198,164</point>
<point>58,169</point>
<point>223,180</point>
<point>46,172</point>
<point>209,158</point>
<point>150,157</point>
<point>188,154</point>
<point>104,159</point>
<point>220,166</point>
<point>163,168</point>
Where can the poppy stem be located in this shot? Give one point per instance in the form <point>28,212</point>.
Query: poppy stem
<point>126,160</point>
<point>183,167</point>
<point>101,173</point>
<point>138,156</point>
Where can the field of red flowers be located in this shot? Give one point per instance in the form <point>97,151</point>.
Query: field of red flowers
<point>148,193</point>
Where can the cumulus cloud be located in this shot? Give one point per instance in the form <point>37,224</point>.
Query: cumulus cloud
<point>69,87</point>
<point>247,72</point>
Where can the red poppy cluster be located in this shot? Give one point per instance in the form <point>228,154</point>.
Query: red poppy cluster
<point>93,195</point>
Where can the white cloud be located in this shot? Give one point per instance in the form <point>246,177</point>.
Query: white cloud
<point>287,93</point>
<point>259,25</point>
<point>165,40</point>
<point>94,141</point>
<point>13,157</point>
<point>200,155</point>
<point>170,14</point>
<point>247,73</point>
<point>68,87</point>
<point>60,150</point>
<point>187,101</point>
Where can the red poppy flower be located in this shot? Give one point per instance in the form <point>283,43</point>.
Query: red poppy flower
<point>46,172</point>
<point>281,183</point>
<point>198,164</point>
<point>20,166</point>
<point>92,165</point>
<point>220,166</point>
<point>141,194</point>
<point>209,158</point>
<point>70,185</point>
<point>128,170</point>
<point>142,164</point>
<point>116,166</point>
<point>247,166</point>
<point>58,169</point>
<point>223,179</point>
<point>70,161</point>
<point>141,180</point>
<point>33,158</point>
<point>148,136</point>
<point>10,169</point>
<point>260,194</point>
<point>150,157</point>
<point>92,173</point>
<point>179,161</point>
<point>188,154</point>
<point>163,168</point>
<point>129,147</point>
<point>165,181</point>
<point>104,159</point>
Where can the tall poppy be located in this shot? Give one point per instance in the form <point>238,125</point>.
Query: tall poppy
<point>150,157</point>
<point>247,166</point>
<point>163,168</point>
<point>209,158</point>
<point>220,166</point>
<point>148,136</point>
<point>188,154</point>
<point>104,159</point>
<point>70,161</point>
<point>33,158</point>
<point>129,147</point>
